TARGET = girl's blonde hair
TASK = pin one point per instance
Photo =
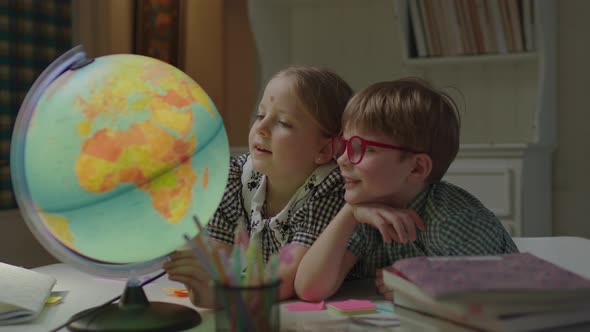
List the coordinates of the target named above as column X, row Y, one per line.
column 323, row 93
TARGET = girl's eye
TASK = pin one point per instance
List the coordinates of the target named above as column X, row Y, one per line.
column 284, row 124
column 369, row 149
column 259, row 116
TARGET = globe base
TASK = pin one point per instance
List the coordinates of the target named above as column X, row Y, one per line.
column 135, row 313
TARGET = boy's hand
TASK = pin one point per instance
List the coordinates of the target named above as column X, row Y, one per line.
column 381, row 287
column 394, row 224
column 184, row 267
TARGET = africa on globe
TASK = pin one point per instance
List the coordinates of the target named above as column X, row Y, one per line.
column 119, row 155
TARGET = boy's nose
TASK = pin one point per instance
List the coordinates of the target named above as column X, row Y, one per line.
column 343, row 159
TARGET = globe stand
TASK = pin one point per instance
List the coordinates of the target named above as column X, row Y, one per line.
column 135, row 313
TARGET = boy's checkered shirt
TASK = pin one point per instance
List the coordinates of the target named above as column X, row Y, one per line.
column 456, row 222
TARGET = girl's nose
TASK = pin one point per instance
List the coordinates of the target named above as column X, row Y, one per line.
column 262, row 128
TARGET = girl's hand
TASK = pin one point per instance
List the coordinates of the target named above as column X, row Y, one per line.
column 394, row 224
column 381, row 287
column 184, row 267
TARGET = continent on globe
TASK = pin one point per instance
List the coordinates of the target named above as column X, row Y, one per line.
column 59, row 227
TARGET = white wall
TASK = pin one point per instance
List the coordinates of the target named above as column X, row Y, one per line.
column 571, row 173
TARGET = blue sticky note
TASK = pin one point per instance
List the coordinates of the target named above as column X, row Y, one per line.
column 385, row 307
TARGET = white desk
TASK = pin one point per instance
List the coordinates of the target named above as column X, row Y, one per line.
column 85, row 291
column 571, row 253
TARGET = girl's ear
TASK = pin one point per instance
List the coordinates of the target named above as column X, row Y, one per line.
column 325, row 154
column 422, row 168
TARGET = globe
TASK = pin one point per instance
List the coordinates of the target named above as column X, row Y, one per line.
column 113, row 157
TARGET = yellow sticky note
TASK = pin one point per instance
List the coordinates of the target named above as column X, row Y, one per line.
column 53, row 300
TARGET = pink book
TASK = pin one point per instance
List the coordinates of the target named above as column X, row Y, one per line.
column 500, row 278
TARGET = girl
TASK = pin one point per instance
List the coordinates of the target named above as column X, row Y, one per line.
column 288, row 188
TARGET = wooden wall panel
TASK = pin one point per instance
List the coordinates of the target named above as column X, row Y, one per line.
column 240, row 75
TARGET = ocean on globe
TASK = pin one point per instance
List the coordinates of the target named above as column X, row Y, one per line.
column 119, row 155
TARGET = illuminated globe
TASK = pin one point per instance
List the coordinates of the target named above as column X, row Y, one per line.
column 112, row 157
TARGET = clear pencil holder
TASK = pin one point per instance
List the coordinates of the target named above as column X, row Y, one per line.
column 247, row 308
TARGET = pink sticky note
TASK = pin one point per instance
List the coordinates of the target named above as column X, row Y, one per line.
column 353, row 305
column 306, row 306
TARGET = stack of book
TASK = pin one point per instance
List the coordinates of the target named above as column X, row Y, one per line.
column 513, row 292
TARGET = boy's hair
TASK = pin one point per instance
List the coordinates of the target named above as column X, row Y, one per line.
column 323, row 93
column 414, row 114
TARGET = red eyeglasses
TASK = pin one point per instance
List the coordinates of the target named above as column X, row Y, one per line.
column 356, row 145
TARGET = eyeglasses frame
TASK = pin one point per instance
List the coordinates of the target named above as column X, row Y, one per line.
column 364, row 144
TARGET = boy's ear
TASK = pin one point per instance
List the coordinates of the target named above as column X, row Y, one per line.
column 422, row 167
column 325, row 154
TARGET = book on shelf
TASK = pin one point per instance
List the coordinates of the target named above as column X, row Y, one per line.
column 487, row 30
column 23, row 293
column 497, row 25
column 515, row 22
column 528, row 24
column 418, row 29
column 430, row 27
column 503, row 292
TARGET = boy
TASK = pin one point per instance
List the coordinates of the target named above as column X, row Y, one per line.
column 400, row 138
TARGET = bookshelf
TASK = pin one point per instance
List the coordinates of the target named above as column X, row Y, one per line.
column 508, row 101
column 468, row 30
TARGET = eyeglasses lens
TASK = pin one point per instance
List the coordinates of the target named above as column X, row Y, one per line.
column 355, row 152
column 338, row 147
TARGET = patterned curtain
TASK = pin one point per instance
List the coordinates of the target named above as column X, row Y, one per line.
column 33, row 33
column 158, row 30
